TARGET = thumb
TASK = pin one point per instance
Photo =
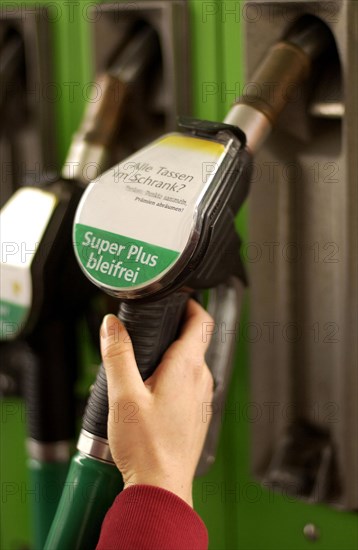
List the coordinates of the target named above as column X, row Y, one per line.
column 118, row 359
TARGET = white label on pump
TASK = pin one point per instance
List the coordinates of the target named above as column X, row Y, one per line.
column 134, row 221
column 23, row 221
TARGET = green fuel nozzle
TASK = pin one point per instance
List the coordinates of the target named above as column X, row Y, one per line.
column 159, row 227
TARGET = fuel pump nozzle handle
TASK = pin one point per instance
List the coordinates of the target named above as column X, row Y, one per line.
column 154, row 325
column 152, row 328
column 184, row 239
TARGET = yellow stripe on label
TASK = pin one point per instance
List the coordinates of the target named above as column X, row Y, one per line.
column 198, row 144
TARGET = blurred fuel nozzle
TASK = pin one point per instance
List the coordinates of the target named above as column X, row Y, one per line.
column 12, row 68
column 274, row 84
column 87, row 156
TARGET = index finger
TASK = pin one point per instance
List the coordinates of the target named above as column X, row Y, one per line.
column 197, row 329
column 192, row 343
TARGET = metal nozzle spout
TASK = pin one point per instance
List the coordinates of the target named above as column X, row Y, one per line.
column 311, row 35
column 87, row 156
column 287, row 64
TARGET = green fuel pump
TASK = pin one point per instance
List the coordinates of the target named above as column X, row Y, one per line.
column 157, row 228
column 42, row 291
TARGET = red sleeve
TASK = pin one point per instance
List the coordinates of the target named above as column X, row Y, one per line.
column 144, row 517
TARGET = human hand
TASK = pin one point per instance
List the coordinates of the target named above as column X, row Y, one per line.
column 156, row 429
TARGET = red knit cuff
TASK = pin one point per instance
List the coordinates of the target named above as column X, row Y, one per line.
column 144, row 517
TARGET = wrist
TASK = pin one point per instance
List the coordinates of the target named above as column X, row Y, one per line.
column 180, row 489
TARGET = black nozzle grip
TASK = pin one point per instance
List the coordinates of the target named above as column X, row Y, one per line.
column 152, row 327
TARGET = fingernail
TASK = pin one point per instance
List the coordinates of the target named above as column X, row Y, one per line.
column 109, row 323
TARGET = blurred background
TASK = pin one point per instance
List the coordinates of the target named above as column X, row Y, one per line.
column 286, row 472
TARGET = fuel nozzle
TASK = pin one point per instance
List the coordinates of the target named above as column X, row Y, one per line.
column 12, row 69
column 287, row 64
column 88, row 153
